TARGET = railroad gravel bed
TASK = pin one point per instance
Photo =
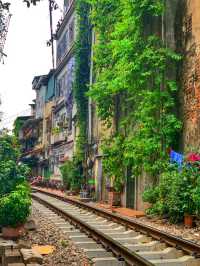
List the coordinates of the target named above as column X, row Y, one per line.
column 66, row 252
column 192, row 234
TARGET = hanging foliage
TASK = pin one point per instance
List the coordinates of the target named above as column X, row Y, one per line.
column 82, row 71
column 131, row 63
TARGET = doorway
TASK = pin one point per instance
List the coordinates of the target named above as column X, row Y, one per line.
column 130, row 189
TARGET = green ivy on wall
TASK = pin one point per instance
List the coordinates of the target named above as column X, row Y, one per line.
column 131, row 62
column 82, row 71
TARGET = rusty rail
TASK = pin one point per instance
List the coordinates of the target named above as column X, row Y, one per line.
column 187, row 246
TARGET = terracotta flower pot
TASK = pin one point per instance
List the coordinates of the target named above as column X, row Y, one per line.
column 188, row 220
column 12, row 233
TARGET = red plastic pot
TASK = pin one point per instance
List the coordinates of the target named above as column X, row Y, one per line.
column 188, row 220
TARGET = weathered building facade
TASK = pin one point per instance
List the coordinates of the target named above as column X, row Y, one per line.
column 54, row 114
column 63, row 128
column 179, row 30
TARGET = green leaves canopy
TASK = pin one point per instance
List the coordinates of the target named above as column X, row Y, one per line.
column 131, row 64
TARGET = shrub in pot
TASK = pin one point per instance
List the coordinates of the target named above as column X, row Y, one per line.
column 114, row 167
column 14, row 211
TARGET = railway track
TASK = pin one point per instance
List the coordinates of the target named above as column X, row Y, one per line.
column 109, row 239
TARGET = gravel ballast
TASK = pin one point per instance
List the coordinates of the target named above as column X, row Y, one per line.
column 192, row 234
column 66, row 253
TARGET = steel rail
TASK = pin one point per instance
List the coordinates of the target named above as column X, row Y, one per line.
column 120, row 251
column 187, row 246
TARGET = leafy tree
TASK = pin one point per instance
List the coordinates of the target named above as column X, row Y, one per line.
column 131, row 86
column 12, row 173
column 9, row 148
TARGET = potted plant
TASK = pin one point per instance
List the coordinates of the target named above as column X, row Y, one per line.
column 114, row 192
column 189, row 212
column 114, row 168
column 14, row 211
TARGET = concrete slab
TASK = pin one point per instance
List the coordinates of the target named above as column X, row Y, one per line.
column 183, row 261
column 168, row 253
column 107, row 262
column 123, row 234
column 31, row 256
column 79, row 238
column 97, row 253
column 151, row 246
column 90, row 244
column 134, row 240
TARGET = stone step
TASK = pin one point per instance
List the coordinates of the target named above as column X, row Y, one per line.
column 31, row 256
column 182, row 261
column 168, row 253
column 12, row 256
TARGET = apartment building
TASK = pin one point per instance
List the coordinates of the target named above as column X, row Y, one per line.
column 63, row 116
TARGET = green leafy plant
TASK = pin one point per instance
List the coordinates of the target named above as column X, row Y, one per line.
column 9, row 148
column 56, row 130
column 113, row 151
column 72, row 175
column 12, row 173
column 15, row 207
column 82, row 72
column 176, row 194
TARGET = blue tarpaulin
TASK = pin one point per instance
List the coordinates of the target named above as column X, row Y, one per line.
column 176, row 158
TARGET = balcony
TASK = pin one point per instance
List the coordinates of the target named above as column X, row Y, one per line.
column 59, row 137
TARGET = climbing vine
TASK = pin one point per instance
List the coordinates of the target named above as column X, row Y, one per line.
column 82, row 71
column 132, row 83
